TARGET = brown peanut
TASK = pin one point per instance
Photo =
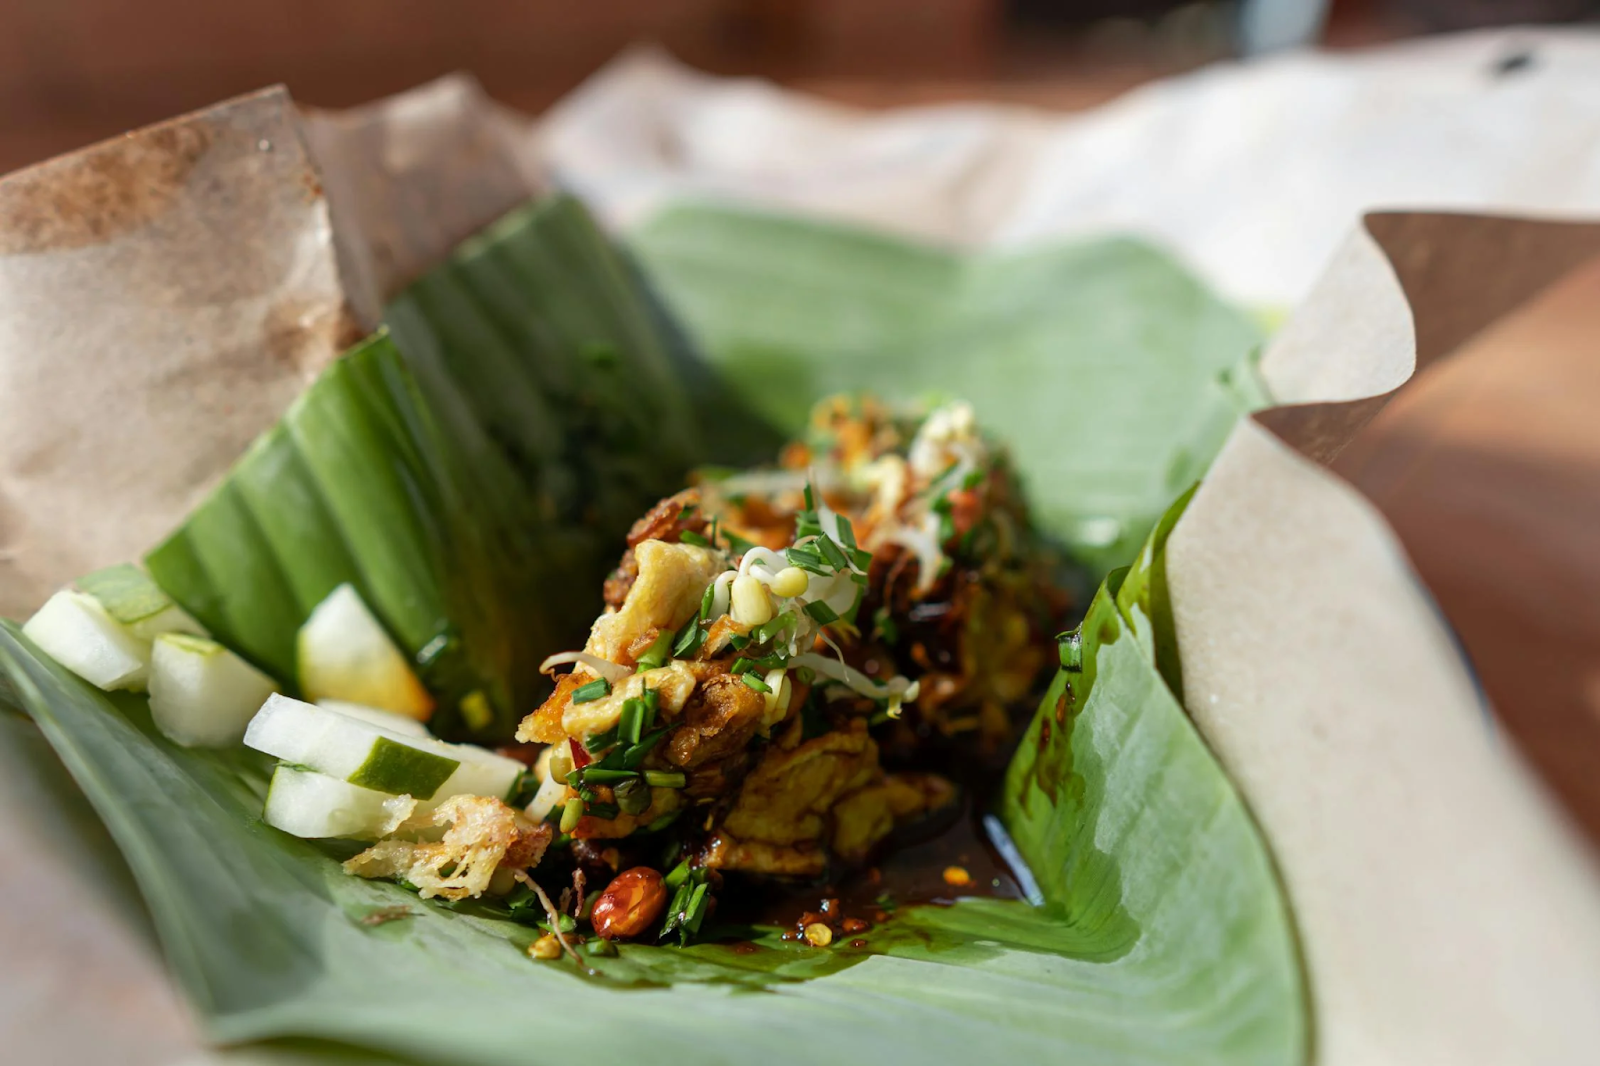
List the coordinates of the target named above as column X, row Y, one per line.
column 633, row 900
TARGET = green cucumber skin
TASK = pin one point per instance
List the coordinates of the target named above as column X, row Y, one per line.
column 399, row 769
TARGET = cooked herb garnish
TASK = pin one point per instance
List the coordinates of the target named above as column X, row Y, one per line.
column 633, row 796
column 599, row 688
column 821, row 612
column 756, row 682
column 657, row 654
column 599, row 775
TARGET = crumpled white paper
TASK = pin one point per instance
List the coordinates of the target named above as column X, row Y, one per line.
column 1252, row 173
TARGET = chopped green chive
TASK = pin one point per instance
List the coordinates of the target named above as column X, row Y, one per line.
column 595, row 775
column 741, row 666
column 633, row 796
column 739, row 641
column 566, row 923
column 665, row 779
column 635, row 755
column 808, row 559
column 757, row 683
column 689, row 640
column 604, row 811
column 706, row 598
column 570, row 814
column 601, row 741
column 657, row 654
column 695, row 912
column 822, row 612
column 599, row 688
column 678, row 875
column 632, row 723
column 834, row 554
column 737, row 543
column 768, row 630
column 691, row 537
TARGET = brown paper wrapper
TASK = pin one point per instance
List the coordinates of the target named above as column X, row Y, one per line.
column 164, row 296
column 1449, row 911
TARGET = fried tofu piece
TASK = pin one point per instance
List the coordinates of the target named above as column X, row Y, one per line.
column 724, row 851
column 718, row 722
column 559, row 718
column 863, row 818
column 787, row 797
column 665, row 594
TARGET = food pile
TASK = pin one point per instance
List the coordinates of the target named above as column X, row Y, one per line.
column 781, row 650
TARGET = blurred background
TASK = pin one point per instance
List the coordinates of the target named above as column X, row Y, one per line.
column 75, row 71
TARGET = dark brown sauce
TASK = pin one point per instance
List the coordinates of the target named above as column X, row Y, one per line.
column 955, row 859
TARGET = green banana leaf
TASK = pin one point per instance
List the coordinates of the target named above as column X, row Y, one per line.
column 1112, row 372
column 413, row 469
column 470, row 472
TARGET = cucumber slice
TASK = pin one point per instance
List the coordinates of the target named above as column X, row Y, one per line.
column 361, row 752
column 307, row 804
column 132, row 597
column 202, row 694
column 394, row 723
column 75, row 630
column 344, row 653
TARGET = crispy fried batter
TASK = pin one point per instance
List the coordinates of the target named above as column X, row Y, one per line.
column 484, row 836
column 543, row 726
column 665, row 595
column 667, row 521
column 673, row 685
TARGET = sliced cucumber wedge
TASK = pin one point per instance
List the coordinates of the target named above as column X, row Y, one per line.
column 394, row 723
column 133, row 598
column 363, row 753
column 75, row 630
column 202, row 694
column 307, row 804
column 344, row 653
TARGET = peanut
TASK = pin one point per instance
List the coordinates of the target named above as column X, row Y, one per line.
column 631, row 902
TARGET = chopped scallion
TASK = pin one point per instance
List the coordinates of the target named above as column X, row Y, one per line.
column 599, row 688
column 754, row 681
column 632, row 722
column 665, row 779
column 821, row 612
column 657, row 654
column 601, row 741
column 690, row 537
column 689, row 640
column 595, row 775
column 635, row 754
